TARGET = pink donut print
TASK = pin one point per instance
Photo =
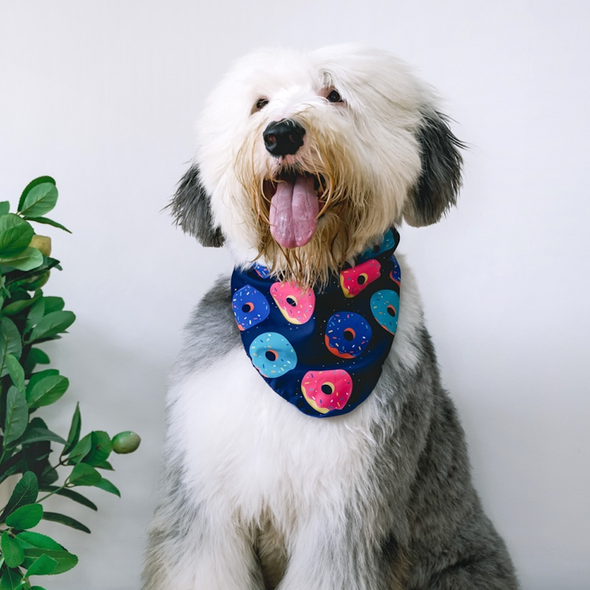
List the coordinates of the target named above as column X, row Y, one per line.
column 356, row 279
column 296, row 304
column 326, row 391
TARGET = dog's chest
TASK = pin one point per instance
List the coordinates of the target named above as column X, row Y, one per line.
column 244, row 445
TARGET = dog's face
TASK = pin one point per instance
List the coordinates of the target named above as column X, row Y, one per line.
column 305, row 159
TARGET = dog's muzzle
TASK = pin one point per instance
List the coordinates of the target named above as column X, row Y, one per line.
column 283, row 138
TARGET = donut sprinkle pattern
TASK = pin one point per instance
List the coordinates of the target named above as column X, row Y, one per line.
column 326, row 391
column 384, row 305
column 347, row 335
column 357, row 279
column 321, row 350
column 296, row 304
column 396, row 274
column 250, row 307
column 272, row 354
column 261, row 271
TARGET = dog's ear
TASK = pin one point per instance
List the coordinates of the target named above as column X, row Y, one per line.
column 440, row 179
column 191, row 209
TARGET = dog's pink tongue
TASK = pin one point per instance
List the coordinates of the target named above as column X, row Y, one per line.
column 293, row 212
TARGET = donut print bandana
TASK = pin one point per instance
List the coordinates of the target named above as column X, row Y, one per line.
column 321, row 351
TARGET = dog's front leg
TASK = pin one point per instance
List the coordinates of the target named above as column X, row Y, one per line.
column 188, row 551
column 332, row 551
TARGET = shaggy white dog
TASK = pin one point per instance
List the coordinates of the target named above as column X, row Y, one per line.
column 304, row 161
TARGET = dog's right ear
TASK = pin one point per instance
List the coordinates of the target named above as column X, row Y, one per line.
column 191, row 210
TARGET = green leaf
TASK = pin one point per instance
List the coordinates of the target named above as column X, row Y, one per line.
column 43, row 565
column 81, row 449
column 64, row 560
column 53, row 304
column 14, row 464
column 35, row 434
column 49, row 475
column 67, row 520
column 31, row 186
column 11, row 550
column 25, row 517
column 47, row 391
column 4, row 207
column 104, row 465
column 34, row 357
column 72, row 495
column 107, row 486
column 52, row 324
column 36, row 313
column 41, row 357
column 10, row 342
column 38, row 199
column 15, row 235
column 75, row 428
column 40, row 375
column 30, row 539
column 16, row 372
column 25, row 492
column 84, row 475
column 36, row 588
column 10, row 579
column 19, row 305
column 28, row 259
column 47, row 221
column 17, row 416
column 101, row 448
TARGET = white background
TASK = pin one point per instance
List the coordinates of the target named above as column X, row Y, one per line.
column 103, row 97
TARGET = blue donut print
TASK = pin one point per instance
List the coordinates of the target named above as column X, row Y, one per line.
column 250, row 307
column 387, row 243
column 347, row 334
column 385, row 306
column 272, row 354
column 396, row 274
column 261, row 270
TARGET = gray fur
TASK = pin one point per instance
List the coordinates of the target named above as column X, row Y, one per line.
column 440, row 179
column 191, row 209
column 213, row 315
column 433, row 534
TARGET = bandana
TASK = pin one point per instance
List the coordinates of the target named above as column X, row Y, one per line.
column 322, row 351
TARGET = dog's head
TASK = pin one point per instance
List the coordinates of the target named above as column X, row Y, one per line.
column 305, row 159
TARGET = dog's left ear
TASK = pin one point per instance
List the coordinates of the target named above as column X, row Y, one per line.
column 440, row 179
column 191, row 209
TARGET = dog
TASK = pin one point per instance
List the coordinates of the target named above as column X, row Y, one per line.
column 317, row 466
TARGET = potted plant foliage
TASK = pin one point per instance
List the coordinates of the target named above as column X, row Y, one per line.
column 42, row 462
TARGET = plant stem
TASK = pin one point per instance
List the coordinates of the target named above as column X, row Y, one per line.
column 39, row 500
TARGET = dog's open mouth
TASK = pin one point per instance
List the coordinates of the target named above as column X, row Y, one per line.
column 294, row 208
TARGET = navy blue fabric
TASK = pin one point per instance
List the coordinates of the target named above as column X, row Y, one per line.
column 324, row 356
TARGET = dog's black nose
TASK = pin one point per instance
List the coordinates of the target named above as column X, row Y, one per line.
column 282, row 138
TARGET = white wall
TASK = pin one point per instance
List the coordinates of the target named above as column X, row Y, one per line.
column 103, row 96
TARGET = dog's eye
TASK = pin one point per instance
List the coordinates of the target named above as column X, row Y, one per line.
column 261, row 103
column 334, row 96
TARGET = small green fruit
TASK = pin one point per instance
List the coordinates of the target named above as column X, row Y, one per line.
column 34, row 284
column 42, row 243
column 125, row 442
